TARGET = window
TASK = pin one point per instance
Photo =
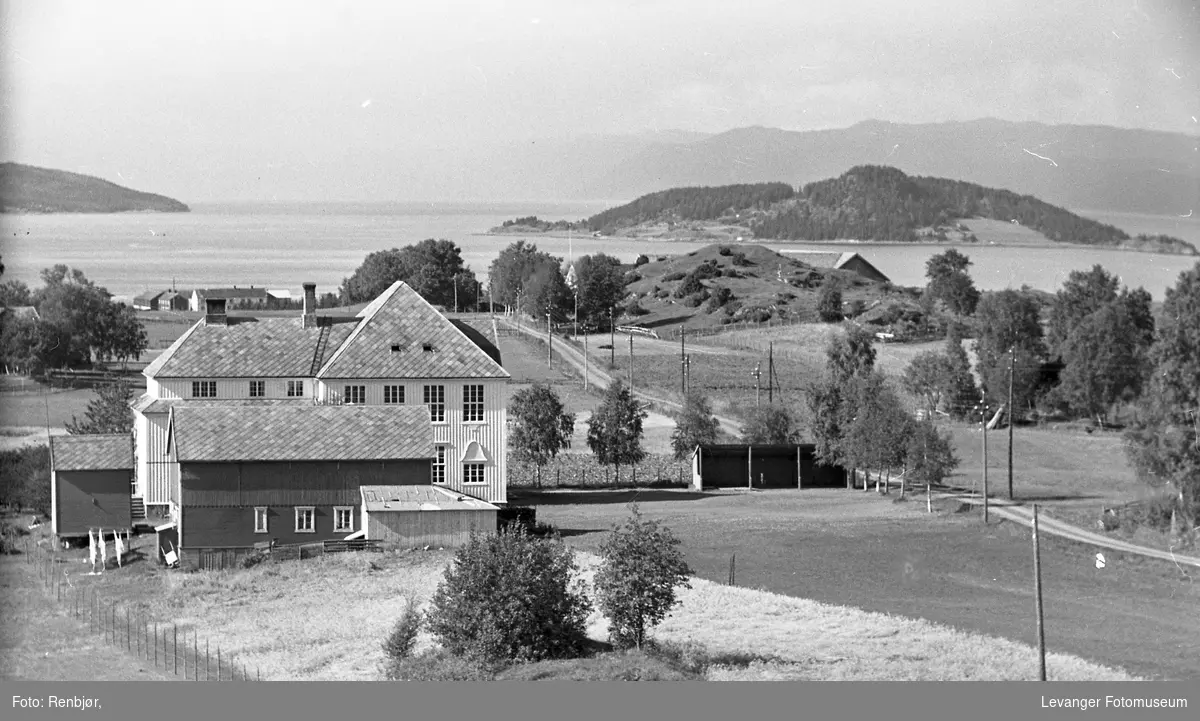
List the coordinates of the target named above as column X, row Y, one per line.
column 438, row 469
column 354, row 395
column 295, row 389
column 473, row 473
column 435, row 398
column 258, row 389
column 204, row 389
column 260, row 519
column 304, row 519
column 393, row 394
column 472, row 404
column 343, row 518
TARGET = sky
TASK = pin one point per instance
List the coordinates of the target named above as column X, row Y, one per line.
column 211, row 100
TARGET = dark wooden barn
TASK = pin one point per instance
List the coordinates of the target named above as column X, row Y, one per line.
column 755, row 466
column 90, row 484
column 283, row 475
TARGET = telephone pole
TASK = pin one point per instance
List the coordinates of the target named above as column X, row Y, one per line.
column 549, row 343
column 682, row 363
column 983, row 410
column 1037, row 585
column 757, row 385
column 585, row 362
column 1011, row 420
column 631, row 363
column 456, row 294
column 771, row 373
column 612, row 340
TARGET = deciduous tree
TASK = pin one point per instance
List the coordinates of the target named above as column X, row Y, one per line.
column 108, row 412
column 829, row 302
column 615, row 429
column 636, row 584
column 694, row 426
column 1104, row 362
column 930, row 455
column 950, row 283
column 600, row 285
column 772, row 424
column 429, row 267
column 541, row 426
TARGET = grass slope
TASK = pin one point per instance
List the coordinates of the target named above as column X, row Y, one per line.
column 28, row 189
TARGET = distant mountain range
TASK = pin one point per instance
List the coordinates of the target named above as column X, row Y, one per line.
column 1074, row 166
column 27, row 189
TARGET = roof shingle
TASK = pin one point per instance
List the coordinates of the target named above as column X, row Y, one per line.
column 251, row 348
column 99, row 452
column 402, row 336
column 223, row 433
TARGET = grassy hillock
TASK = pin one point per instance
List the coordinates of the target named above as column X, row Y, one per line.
column 27, row 189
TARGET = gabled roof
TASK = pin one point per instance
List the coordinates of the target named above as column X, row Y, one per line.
column 148, row 296
column 99, row 452
column 400, row 335
column 232, row 292
column 826, row 259
column 419, row 498
column 251, row 348
column 216, row 434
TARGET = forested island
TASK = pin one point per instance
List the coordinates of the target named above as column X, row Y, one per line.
column 866, row 203
column 28, row 189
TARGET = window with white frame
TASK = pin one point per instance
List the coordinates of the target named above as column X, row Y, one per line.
column 343, row 518
column 472, row 404
column 260, row 519
column 305, row 519
column 473, row 473
column 435, row 398
column 437, row 471
column 258, row 389
column 204, row 389
column 393, row 394
column 295, row 389
column 354, row 395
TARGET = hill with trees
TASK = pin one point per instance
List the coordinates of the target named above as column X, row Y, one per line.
column 703, row 203
column 28, row 189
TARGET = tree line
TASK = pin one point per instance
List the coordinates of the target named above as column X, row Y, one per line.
column 698, row 203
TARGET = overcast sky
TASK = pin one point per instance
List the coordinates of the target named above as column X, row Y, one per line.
column 185, row 97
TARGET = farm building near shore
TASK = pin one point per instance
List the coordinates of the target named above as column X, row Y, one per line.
column 760, row 466
column 286, row 474
column 424, row 515
column 90, row 478
column 840, row 261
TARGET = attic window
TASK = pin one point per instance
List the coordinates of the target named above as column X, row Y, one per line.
column 428, row 347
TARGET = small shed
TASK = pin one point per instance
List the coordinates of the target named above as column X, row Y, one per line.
column 762, row 466
column 412, row 516
column 147, row 301
column 174, row 300
column 90, row 484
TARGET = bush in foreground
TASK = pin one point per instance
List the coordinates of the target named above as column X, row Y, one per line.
column 637, row 579
column 510, row 597
column 399, row 644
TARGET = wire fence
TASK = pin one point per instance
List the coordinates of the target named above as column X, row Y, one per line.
column 175, row 650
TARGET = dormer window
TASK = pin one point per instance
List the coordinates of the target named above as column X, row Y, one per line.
column 395, row 348
column 428, row 347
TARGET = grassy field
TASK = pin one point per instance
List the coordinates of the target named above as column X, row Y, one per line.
column 865, row 551
column 325, row 618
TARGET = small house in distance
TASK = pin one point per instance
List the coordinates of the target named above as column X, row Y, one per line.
column 849, row 261
column 147, row 301
column 427, row 515
column 760, row 466
column 234, row 298
column 90, row 484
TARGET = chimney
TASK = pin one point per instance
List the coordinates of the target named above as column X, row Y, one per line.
column 214, row 311
column 309, row 318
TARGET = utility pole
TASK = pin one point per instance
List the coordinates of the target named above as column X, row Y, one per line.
column 549, row 343
column 682, row 363
column 687, row 371
column 456, row 294
column 1037, row 584
column 585, row 362
column 983, row 410
column 612, row 340
column 1011, row 420
column 576, row 314
column 631, row 363
column 757, row 385
column 771, row 373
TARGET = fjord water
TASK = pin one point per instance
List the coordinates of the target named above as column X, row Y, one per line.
column 283, row 245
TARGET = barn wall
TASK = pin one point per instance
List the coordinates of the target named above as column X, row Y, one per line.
column 91, row 499
column 293, row 483
column 440, row 529
column 153, row 460
column 205, row 527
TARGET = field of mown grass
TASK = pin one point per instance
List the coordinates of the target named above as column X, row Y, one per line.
column 324, row 619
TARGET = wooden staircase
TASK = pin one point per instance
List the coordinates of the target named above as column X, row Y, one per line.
column 137, row 509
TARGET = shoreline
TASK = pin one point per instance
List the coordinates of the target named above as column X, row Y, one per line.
column 1049, row 245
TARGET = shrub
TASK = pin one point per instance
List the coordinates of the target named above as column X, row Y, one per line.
column 855, row 308
column 662, row 294
column 436, row 665
column 641, row 260
column 724, row 250
column 632, row 277
column 399, row 644
column 25, row 478
column 634, row 309
column 674, row 276
column 510, row 597
column 694, row 300
column 636, row 582
column 250, row 560
column 720, row 297
column 739, row 258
